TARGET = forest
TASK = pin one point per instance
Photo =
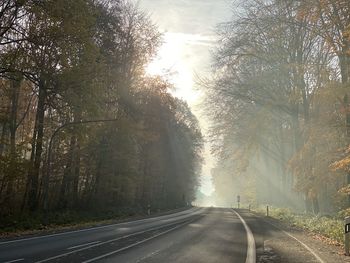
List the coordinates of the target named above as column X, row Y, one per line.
column 279, row 105
column 83, row 129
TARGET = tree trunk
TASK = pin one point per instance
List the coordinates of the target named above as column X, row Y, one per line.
column 32, row 155
column 67, row 176
column 3, row 137
column 76, row 164
column 100, row 183
column 282, row 160
column 33, row 175
column 315, row 205
column 347, row 124
column 344, row 64
column 308, row 203
column 76, row 174
column 15, row 89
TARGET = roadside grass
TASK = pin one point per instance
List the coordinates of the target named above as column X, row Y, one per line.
column 330, row 227
column 61, row 220
column 52, row 222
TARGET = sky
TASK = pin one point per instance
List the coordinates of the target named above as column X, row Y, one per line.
column 188, row 27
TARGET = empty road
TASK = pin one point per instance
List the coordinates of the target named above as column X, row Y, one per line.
column 194, row 235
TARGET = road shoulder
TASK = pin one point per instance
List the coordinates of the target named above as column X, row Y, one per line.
column 279, row 243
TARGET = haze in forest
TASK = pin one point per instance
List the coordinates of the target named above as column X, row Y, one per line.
column 84, row 128
column 279, row 107
column 113, row 109
column 189, row 35
column 274, row 89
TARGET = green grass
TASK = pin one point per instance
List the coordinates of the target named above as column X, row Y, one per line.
column 331, row 227
column 61, row 219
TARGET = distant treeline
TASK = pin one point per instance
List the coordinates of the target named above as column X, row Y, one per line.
column 279, row 104
column 64, row 61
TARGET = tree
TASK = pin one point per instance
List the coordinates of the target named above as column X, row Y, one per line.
column 270, row 70
column 74, row 64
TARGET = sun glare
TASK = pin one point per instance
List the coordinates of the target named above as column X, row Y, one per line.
column 173, row 63
column 176, row 62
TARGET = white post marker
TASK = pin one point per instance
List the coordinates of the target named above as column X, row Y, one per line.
column 347, row 235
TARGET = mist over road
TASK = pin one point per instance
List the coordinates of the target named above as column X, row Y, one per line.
column 194, row 235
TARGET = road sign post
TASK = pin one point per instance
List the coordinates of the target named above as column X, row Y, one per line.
column 238, row 200
column 347, row 235
column 267, row 210
column 149, row 209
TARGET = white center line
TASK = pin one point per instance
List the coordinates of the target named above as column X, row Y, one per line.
column 102, row 243
column 137, row 243
column 154, row 219
column 251, row 252
column 83, row 245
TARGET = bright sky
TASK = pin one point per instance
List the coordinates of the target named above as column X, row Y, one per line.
column 189, row 35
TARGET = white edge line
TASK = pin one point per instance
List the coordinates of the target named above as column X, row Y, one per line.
column 251, row 252
column 137, row 243
column 302, row 243
column 83, row 245
column 195, row 209
column 102, row 243
column 16, row 260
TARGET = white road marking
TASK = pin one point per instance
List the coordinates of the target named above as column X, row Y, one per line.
column 302, row 243
column 185, row 212
column 135, row 244
column 83, row 245
column 16, row 260
column 154, row 253
column 251, row 251
column 101, row 243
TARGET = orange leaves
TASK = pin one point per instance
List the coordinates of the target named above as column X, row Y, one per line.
column 341, row 165
column 345, row 190
column 344, row 163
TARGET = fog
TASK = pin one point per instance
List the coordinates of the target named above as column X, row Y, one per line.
column 278, row 106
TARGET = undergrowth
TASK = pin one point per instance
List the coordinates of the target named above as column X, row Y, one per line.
column 331, row 227
column 58, row 219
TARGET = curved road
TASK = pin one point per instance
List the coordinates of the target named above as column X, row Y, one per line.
column 194, row 235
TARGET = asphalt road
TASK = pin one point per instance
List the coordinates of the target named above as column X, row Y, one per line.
column 194, row 235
